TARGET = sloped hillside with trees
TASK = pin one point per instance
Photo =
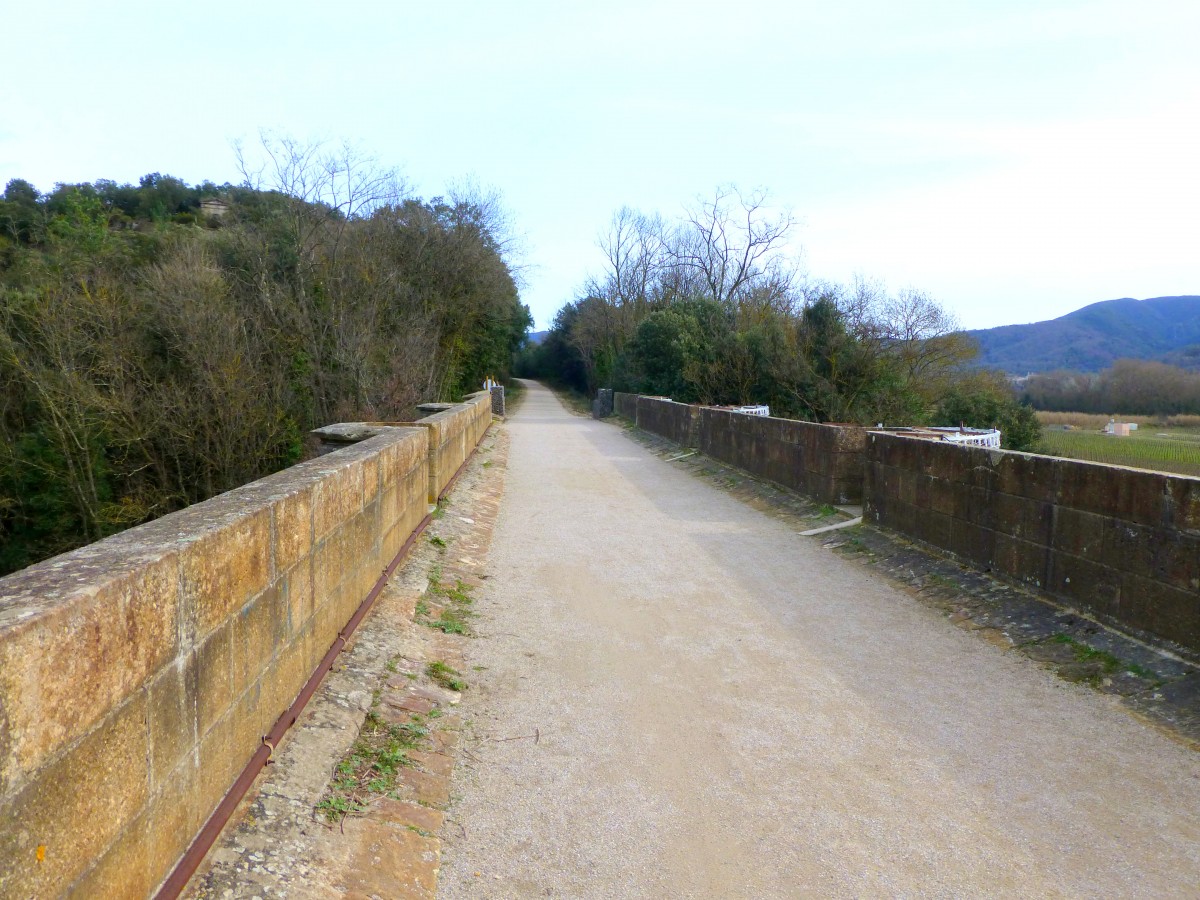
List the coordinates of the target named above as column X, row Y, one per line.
column 711, row 308
column 157, row 349
column 1163, row 329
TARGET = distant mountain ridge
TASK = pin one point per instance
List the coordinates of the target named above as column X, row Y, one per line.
column 1092, row 338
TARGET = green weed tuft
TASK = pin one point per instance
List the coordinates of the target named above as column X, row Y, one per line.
column 445, row 676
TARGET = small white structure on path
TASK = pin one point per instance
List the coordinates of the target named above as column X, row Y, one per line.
column 971, row 437
column 964, row 437
column 750, row 409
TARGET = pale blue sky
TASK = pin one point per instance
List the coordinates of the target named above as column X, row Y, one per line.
column 1016, row 159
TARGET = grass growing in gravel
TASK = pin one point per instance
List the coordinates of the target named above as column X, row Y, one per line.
column 1085, row 654
column 934, row 579
column 370, row 768
column 451, row 621
column 1107, row 662
column 855, row 545
column 455, row 602
column 445, row 676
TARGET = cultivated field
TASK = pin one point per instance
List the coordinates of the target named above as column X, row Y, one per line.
column 1171, row 445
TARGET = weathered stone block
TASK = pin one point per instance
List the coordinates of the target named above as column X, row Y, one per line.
column 1176, row 560
column 902, row 516
column 123, row 870
column 905, row 481
column 393, row 540
column 924, row 490
column 1079, row 533
column 76, row 638
column 370, row 479
column 218, row 766
column 171, row 716
column 981, row 507
column 848, row 467
column 175, row 815
column 1022, row 561
column 251, row 719
column 1185, row 504
column 352, row 592
column 210, row 669
column 297, row 586
column 932, row 527
column 293, row 528
column 1088, row 584
column 894, row 451
column 365, row 527
column 286, row 676
column 1028, row 520
column 1132, row 548
column 1029, row 476
column 1144, row 498
column 949, row 498
column 625, row 405
column 335, row 556
column 76, row 807
column 973, row 542
column 1162, row 610
column 409, row 452
column 338, row 496
column 848, row 439
column 225, row 568
column 258, row 629
column 983, row 463
column 391, row 506
column 327, row 622
column 868, row 483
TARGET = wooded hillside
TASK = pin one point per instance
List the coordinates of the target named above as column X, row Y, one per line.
column 154, row 351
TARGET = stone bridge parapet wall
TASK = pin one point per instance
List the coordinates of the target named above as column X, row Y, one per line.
column 675, row 421
column 1123, row 544
column 822, row 461
column 453, row 435
column 625, row 405
column 139, row 674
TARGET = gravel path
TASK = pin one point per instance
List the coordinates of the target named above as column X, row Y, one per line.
column 726, row 709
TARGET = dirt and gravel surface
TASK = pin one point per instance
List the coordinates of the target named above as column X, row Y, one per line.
column 676, row 695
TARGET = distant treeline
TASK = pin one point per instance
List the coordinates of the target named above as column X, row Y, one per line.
column 710, row 308
column 1131, row 386
column 154, row 353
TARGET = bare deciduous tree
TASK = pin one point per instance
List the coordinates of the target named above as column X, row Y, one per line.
column 730, row 247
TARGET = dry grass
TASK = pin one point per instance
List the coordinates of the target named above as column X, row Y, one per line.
column 1096, row 422
column 1093, row 421
column 1181, row 422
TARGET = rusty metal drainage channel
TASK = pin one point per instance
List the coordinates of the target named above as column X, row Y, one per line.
column 191, row 859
